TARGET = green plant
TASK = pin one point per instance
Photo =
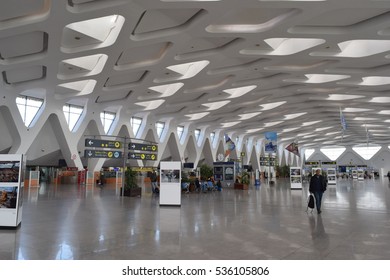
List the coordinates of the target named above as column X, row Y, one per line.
column 130, row 179
column 206, row 171
column 245, row 178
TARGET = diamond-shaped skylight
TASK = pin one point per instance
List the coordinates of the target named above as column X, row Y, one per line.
column 167, row 90
column 361, row 48
column 286, row 46
column 270, row 106
column 310, row 123
column 272, row 123
column 324, row 78
column 375, row 81
column 338, row 97
column 237, row 92
column 197, row 116
column 183, row 71
column 215, row 105
column 254, row 130
column 91, row 33
column 151, row 105
column 356, row 110
column 248, row 116
column 290, row 129
column 229, row 124
column 366, row 152
column 293, row 116
column 380, row 100
column 323, row 128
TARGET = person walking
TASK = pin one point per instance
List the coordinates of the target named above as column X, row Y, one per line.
column 317, row 187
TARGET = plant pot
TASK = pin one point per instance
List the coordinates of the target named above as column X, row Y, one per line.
column 133, row 192
column 240, row 186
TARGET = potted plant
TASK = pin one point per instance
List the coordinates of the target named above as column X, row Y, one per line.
column 206, row 172
column 131, row 187
column 243, row 181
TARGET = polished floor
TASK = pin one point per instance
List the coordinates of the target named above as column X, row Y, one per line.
column 269, row 223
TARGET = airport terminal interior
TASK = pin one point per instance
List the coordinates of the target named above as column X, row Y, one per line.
column 97, row 96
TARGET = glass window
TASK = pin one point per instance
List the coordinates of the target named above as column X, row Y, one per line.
column 180, row 131
column 72, row 114
column 160, row 128
column 366, row 152
column 135, row 124
column 197, row 134
column 333, row 153
column 107, row 120
column 28, row 108
column 212, row 137
column 308, row 153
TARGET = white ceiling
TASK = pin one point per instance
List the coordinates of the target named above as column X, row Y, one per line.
column 243, row 66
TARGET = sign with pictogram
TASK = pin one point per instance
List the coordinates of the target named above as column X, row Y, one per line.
column 142, row 156
column 102, row 154
column 97, row 143
column 143, row 147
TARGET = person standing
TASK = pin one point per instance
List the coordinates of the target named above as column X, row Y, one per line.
column 317, row 187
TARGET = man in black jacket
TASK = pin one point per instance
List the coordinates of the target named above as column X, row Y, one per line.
column 317, row 187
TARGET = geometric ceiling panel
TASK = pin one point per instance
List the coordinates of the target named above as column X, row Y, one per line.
column 142, row 56
column 78, row 6
column 21, row 11
column 27, row 74
column 285, row 46
column 125, row 80
column 112, row 96
column 250, row 20
column 338, row 18
column 81, row 66
column 91, row 34
column 157, row 20
column 290, row 66
column 22, row 45
column 73, row 89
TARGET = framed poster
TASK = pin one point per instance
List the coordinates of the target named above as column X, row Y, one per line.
column 331, row 176
column 296, row 177
column 170, row 183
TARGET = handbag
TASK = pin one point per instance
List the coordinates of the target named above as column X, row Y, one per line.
column 310, row 202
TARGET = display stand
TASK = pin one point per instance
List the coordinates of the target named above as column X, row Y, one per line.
column 11, row 189
column 296, row 178
column 354, row 174
column 331, row 176
column 224, row 171
column 360, row 174
column 33, row 179
column 170, row 183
